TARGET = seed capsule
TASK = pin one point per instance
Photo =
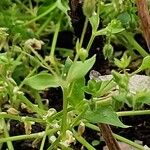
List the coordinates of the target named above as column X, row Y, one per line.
column 89, row 7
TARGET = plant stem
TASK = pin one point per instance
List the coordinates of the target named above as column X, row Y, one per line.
column 53, row 47
column 120, row 138
column 20, row 118
column 30, row 136
column 133, row 113
column 64, row 117
column 136, row 46
column 78, row 118
column 83, row 141
column 55, row 38
column 90, row 42
column 23, row 99
column 52, row 7
column 30, row 74
column 39, row 31
column 44, row 138
column 6, row 134
column 83, row 31
column 25, row 7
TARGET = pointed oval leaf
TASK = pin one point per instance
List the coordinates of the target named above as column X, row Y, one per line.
column 146, row 63
column 104, row 115
column 79, row 69
column 42, row 81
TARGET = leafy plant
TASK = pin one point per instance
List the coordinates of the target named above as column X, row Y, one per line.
column 26, row 75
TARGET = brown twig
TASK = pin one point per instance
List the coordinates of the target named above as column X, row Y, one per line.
column 144, row 16
column 107, row 134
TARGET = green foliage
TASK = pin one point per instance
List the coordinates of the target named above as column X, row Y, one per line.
column 42, row 81
column 79, row 69
column 28, row 74
column 108, row 51
column 93, row 87
column 104, row 115
column 122, row 80
column 145, row 63
column 140, row 98
column 89, row 7
column 83, row 54
column 77, row 93
column 123, row 62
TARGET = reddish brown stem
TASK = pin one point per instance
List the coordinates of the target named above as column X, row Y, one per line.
column 107, row 134
column 144, row 16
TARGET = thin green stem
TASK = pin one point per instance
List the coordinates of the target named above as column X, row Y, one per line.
column 38, row 99
column 57, row 115
column 25, row 7
column 20, row 118
column 120, row 138
column 83, row 31
column 30, row 74
column 39, row 31
column 6, row 134
column 23, row 99
column 52, row 7
column 133, row 113
column 30, row 136
column 43, row 142
column 53, row 47
column 43, row 61
column 90, row 42
column 78, row 118
column 64, row 117
column 55, row 38
column 44, row 138
column 83, row 141
column 133, row 42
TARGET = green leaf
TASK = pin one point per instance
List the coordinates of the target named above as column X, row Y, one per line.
column 142, row 97
column 124, row 18
column 94, row 21
column 108, row 51
column 79, row 69
column 66, row 67
column 93, row 87
column 77, row 92
column 123, row 62
column 104, row 115
column 115, row 27
column 42, row 81
column 146, row 63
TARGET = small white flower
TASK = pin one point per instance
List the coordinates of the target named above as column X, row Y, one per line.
column 50, row 112
column 15, row 90
column 34, row 43
column 146, row 147
column 55, row 125
column 52, row 139
column 69, row 139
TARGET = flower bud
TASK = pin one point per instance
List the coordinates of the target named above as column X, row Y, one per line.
column 12, row 111
column 89, row 7
column 108, row 51
column 83, row 54
column 81, row 128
